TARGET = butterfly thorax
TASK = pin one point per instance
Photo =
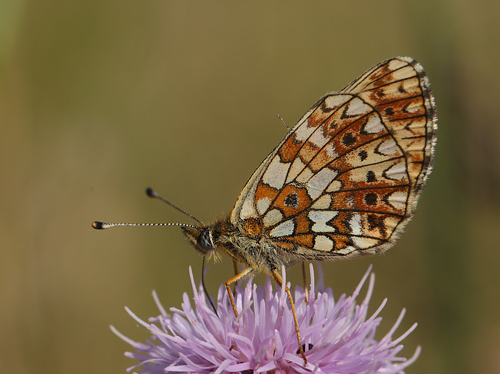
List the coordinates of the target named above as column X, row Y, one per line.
column 246, row 243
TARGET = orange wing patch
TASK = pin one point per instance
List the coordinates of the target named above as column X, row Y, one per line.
column 292, row 199
column 290, row 148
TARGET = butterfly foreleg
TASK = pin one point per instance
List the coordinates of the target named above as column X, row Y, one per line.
column 235, row 279
column 277, row 276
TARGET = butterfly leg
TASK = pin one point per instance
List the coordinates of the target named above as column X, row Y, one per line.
column 235, row 279
column 236, row 272
column 277, row 276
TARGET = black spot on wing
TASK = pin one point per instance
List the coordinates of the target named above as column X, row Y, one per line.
column 348, row 139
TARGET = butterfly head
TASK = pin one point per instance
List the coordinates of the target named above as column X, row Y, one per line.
column 202, row 239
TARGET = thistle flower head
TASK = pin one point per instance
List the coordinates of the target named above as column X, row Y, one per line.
column 337, row 335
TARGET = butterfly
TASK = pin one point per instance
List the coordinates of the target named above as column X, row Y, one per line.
column 343, row 182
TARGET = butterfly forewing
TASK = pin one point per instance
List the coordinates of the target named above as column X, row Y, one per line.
column 346, row 178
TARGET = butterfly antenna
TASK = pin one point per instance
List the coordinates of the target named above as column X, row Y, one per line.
column 106, row 225
column 205, row 288
column 152, row 193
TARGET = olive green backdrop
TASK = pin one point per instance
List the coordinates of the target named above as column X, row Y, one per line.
column 100, row 99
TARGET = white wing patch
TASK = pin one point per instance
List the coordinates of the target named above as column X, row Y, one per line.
column 272, row 217
column 276, row 173
column 398, row 200
column 303, row 132
column 319, row 181
column 247, row 209
column 388, row 147
column 364, row 242
column 323, row 243
column 319, row 139
column 396, row 172
column 320, row 219
column 374, row 125
column 334, row 101
column 284, row 229
column 263, row 204
column 357, row 107
column 295, row 169
column 355, row 223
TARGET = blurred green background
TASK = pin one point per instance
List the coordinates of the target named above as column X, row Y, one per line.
column 100, row 99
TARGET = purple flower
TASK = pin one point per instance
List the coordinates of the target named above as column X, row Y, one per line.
column 338, row 335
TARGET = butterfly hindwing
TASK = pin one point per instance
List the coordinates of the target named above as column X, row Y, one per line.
column 346, row 178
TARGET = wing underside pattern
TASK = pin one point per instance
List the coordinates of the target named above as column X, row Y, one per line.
column 346, row 179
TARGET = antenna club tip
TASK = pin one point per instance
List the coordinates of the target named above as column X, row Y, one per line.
column 150, row 192
column 98, row 225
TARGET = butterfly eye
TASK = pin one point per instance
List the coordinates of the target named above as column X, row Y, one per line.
column 205, row 242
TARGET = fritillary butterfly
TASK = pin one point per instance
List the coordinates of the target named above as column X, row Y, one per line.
column 342, row 183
